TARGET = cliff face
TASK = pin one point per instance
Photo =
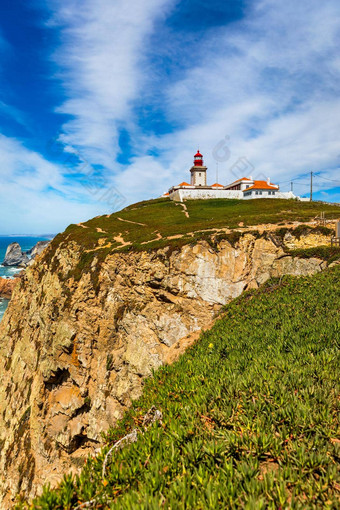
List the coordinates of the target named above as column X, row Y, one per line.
column 75, row 350
column 7, row 286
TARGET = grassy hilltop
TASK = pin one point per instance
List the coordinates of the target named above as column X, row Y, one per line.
column 250, row 414
column 163, row 223
column 155, row 223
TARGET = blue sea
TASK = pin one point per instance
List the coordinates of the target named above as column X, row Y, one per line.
column 26, row 244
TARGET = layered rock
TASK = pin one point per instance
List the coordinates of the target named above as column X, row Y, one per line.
column 75, row 348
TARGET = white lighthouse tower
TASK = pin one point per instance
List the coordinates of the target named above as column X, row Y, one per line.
column 198, row 171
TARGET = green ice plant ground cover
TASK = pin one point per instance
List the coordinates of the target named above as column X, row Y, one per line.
column 250, row 414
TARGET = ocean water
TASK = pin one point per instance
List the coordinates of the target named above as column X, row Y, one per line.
column 26, row 244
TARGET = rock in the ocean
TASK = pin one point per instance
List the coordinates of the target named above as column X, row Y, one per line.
column 15, row 256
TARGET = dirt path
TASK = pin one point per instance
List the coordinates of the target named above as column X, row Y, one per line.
column 119, row 239
column 134, row 222
column 185, row 210
column 159, row 236
column 261, row 228
column 100, row 247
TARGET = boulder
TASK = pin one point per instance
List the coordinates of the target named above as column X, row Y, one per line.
column 15, row 256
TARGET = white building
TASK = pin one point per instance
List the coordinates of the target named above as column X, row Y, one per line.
column 245, row 188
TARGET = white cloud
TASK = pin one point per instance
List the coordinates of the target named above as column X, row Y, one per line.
column 269, row 81
column 101, row 68
column 35, row 195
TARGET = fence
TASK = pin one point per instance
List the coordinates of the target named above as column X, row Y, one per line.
column 335, row 241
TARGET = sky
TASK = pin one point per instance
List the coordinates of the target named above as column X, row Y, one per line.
column 103, row 103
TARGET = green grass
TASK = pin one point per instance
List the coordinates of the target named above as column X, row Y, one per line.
column 167, row 218
column 328, row 253
column 250, row 414
column 162, row 217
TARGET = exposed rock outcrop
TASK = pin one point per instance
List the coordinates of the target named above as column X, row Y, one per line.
column 75, row 348
column 37, row 249
column 7, row 286
column 15, row 256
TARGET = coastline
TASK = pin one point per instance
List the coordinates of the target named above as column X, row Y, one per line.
column 8, row 275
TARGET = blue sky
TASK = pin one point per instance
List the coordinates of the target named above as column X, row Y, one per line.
column 103, row 103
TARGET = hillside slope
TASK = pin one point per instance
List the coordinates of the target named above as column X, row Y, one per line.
column 250, row 414
column 94, row 316
column 162, row 222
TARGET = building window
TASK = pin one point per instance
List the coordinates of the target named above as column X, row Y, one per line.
column 199, row 174
column 256, row 192
column 260, row 192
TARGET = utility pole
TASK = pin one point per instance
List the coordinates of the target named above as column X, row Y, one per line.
column 291, row 186
column 311, row 186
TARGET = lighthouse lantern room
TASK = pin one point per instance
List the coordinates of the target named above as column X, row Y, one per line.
column 198, row 171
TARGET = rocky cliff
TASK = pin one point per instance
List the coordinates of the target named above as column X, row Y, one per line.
column 7, row 285
column 75, row 347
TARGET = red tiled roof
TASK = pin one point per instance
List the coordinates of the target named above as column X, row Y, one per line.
column 184, row 184
column 262, row 185
column 216, row 185
column 239, row 180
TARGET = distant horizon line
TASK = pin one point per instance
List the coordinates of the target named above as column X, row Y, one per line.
column 28, row 235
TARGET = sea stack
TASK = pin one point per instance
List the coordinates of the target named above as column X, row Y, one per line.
column 15, row 257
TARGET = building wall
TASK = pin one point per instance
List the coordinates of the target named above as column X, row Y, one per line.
column 199, row 177
column 195, row 194
column 265, row 194
column 241, row 185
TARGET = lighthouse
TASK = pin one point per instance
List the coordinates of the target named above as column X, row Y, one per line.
column 241, row 189
column 198, row 171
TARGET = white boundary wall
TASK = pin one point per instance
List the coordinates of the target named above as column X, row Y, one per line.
column 195, row 194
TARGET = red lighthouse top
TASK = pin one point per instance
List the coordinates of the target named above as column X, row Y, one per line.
column 198, row 159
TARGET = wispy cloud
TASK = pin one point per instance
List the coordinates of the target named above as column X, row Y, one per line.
column 36, row 195
column 100, row 64
column 130, row 80
column 269, row 81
